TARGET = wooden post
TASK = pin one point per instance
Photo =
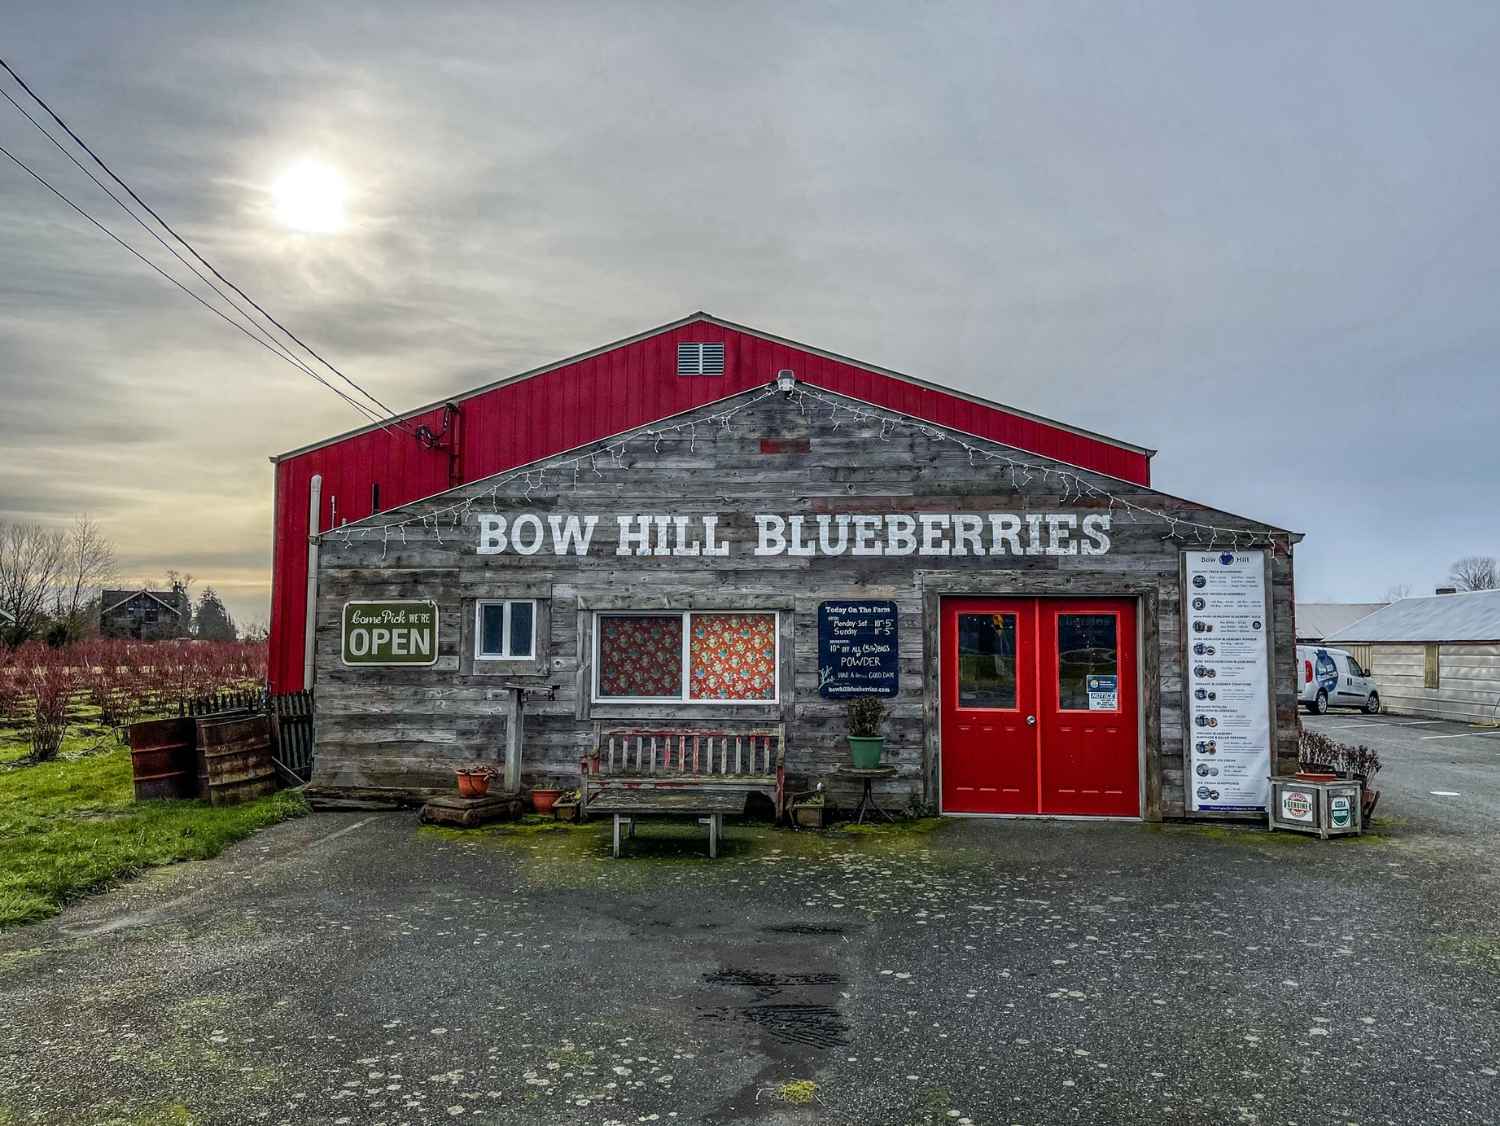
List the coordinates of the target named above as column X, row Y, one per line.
column 515, row 730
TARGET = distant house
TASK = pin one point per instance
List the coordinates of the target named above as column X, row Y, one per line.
column 1437, row 656
column 147, row 615
column 1318, row 621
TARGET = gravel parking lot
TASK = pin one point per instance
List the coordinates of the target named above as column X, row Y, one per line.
column 360, row 969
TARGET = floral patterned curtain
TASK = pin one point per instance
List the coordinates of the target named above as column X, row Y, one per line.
column 732, row 657
column 640, row 655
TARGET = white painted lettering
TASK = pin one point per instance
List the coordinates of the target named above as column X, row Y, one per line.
column 633, row 540
column 1005, row 528
column 899, row 537
column 797, row 546
column 770, row 530
column 824, row 522
column 491, row 533
column 1059, row 526
column 682, row 546
column 866, row 536
column 1034, row 545
column 966, row 533
column 710, row 545
column 934, row 524
column 1096, row 533
column 567, row 535
column 533, row 528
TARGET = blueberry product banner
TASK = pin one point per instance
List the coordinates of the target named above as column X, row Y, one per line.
column 1229, row 720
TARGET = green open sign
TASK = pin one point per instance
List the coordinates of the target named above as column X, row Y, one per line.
column 390, row 633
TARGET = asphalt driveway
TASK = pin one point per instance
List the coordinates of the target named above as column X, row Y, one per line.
column 359, row 969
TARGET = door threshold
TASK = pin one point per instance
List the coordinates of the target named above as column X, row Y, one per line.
column 1046, row 816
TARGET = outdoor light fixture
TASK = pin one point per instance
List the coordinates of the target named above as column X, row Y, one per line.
column 786, row 381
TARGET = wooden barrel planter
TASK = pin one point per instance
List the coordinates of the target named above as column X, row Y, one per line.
column 163, row 759
column 235, row 756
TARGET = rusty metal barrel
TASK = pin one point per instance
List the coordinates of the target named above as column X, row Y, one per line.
column 235, row 755
column 164, row 759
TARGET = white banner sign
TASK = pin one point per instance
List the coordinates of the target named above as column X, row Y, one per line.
column 898, row 533
column 1229, row 753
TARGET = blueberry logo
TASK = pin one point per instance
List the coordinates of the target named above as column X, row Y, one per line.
column 1227, row 558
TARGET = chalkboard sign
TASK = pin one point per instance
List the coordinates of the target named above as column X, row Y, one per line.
column 857, row 649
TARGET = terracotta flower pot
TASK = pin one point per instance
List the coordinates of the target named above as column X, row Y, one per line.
column 473, row 783
column 544, row 799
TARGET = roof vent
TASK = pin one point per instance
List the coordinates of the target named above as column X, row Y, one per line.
column 700, row 359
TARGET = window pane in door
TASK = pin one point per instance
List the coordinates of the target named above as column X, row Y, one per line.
column 1088, row 663
column 640, row 656
column 986, row 660
column 492, row 629
column 520, row 629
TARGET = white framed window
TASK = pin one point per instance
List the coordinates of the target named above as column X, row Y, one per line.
column 687, row 657
column 700, row 359
column 505, row 629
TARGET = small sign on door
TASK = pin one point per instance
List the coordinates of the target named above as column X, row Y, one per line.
column 1104, row 693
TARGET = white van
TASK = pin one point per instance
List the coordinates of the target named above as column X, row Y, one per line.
column 1333, row 678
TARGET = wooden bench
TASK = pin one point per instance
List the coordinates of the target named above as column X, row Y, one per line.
column 634, row 772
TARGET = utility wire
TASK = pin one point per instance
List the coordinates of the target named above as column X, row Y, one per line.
column 193, row 250
column 355, row 403
column 248, row 317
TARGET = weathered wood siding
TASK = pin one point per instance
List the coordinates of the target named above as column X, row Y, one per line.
column 407, row 727
column 1468, row 681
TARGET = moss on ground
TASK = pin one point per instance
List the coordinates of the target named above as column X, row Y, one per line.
column 73, row 826
column 1470, row 949
column 799, row 1091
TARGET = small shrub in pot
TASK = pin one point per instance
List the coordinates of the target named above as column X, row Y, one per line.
column 865, row 716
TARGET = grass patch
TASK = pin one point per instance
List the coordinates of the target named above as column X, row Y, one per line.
column 72, row 826
column 799, row 1091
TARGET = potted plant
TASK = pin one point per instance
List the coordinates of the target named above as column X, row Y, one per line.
column 1362, row 764
column 807, row 810
column 866, row 714
column 474, row 780
column 1317, row 757
column 545, row 796
column 565, row 808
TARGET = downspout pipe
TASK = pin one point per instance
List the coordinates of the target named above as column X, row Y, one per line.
column 309, row 629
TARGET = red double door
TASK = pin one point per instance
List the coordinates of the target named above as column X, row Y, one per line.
column 1039, row 707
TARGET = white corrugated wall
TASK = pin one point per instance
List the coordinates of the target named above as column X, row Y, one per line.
column 1468, row 681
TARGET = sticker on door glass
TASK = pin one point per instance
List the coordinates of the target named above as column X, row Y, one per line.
column 1104, row 693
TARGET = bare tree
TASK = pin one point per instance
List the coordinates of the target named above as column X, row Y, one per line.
column 31, row 561
column 88, row 564
column 1397, row 592
column 1475, row 572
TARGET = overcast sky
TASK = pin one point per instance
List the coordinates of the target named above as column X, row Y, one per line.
column 1262, row 239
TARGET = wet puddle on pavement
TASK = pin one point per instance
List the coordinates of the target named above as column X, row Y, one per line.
column 790, row 1008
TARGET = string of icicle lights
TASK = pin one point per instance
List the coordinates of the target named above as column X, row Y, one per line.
column 808, row 399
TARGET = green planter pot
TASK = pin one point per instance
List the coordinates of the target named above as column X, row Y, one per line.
column 866, row 751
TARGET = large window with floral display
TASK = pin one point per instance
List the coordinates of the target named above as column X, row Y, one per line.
column 690, row 656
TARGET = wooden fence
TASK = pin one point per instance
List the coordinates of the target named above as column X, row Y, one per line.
column 291, row 718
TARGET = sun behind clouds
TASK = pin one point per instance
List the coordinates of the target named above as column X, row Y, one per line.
column 309, row 196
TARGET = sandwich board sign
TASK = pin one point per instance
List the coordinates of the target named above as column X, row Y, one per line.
column 390, row 633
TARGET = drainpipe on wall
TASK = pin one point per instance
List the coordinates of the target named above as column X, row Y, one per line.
column 314, row 503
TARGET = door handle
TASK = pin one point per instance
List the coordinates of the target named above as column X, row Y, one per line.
column 1031, row 721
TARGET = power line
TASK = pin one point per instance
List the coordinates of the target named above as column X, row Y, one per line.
column 249, row 319
column 193, row 250
column 355, row 403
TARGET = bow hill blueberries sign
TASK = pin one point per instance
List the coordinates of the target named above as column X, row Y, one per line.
column 899, row 533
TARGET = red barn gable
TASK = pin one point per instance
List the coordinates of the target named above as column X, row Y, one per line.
column 573, row 402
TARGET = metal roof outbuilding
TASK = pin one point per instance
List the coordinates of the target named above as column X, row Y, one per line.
column 1473, row 616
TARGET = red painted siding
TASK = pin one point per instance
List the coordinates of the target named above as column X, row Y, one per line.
column 628, row 386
